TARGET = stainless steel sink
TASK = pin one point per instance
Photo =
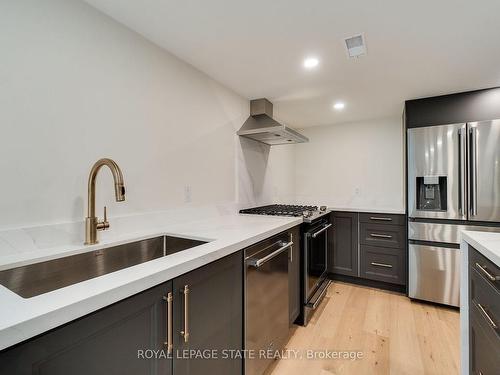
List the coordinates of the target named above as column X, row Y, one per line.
column 38, row 278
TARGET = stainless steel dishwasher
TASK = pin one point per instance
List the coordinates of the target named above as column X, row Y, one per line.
column 266, row 300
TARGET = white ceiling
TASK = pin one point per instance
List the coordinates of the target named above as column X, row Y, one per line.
column 415, row 49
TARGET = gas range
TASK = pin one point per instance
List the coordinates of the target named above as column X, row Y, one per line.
column 308, row 213
column 313, row 244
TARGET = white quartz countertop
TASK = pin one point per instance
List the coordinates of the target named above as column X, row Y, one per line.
column 486, row 243
column 371, row 210
column 22, row 318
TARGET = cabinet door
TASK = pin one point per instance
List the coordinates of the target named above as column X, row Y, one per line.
column 212, row 314
column 382, row 264
column 484, row 346
column 108, row 341
column 294, row 275
column 344, row 260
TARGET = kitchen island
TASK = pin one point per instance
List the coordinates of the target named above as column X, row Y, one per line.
column 479, row 301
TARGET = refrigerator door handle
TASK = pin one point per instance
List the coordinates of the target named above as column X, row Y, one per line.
column 461, row 172
column 473, row 171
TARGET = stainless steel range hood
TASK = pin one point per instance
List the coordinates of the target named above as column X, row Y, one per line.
column 261, row 126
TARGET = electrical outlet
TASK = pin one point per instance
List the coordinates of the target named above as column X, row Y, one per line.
column 356, row 191
column 187, row 194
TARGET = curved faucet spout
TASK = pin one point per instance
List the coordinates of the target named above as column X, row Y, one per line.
column 91, row 222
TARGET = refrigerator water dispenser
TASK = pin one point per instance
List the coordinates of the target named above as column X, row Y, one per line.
column 431, row 193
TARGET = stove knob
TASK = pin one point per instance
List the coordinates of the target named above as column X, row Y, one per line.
column 307, row 213
column 322, row 208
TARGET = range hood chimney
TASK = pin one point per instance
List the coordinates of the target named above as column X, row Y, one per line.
column 261, row 126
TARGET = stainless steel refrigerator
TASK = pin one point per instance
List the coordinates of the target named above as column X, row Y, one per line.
column 453, row 184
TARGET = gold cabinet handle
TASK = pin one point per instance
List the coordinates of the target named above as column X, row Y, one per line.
column 379, row 218
column 381, row 265
column 486, row 273
column 185, row 333
column 168, row 334
column 376, row 235
column 487, row 316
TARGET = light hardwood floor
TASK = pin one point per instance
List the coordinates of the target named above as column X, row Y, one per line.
column 396, row 335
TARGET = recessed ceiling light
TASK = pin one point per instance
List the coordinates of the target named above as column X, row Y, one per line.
column 311, row 62
column 339, row 106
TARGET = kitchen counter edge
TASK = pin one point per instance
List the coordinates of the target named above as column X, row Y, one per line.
column 22, row 319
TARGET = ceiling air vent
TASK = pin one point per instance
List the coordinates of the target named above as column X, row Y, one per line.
column 355, row 46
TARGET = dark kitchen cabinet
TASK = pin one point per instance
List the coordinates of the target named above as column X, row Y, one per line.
column 108, row 341
column 484, row 314
column 383, row 235
column 382, row 250
column 484, row 347
column 112, row 340
column 369, row 249
column 294, row 275
column 212, row 313
column 388, row 219
column 343, row 257
column 382, row 264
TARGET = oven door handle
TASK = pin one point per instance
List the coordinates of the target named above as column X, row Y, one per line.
column 259, row 262
column 315, row 234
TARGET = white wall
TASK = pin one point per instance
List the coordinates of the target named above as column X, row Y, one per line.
column 353, row 165
column 266, row 174
column 76, row 86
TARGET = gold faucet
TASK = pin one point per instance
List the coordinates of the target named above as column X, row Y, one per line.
column 92, row 223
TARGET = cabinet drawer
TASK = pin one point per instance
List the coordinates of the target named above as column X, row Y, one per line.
column 382, row 235
column 485, row 268
column 389, row 219
column 382, row 264
column 484, row 346
column 485, row 299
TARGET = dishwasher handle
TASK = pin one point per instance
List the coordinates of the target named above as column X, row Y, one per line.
column 259, row 262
